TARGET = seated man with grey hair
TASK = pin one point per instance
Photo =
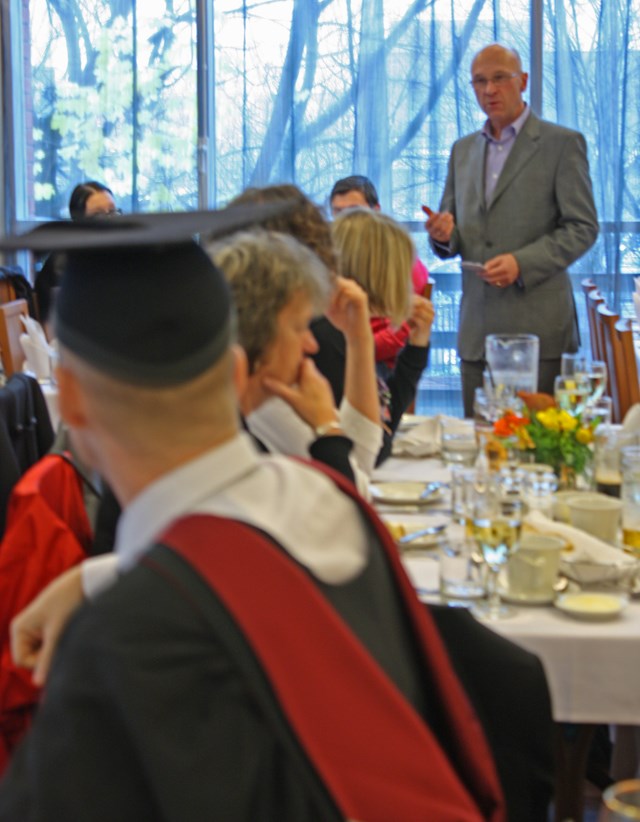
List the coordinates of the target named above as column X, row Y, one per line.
column 263, row 655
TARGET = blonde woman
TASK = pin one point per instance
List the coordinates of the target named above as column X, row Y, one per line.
column 376, row 252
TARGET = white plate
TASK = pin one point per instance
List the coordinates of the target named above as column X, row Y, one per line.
column 403, row 493
column 591, row 605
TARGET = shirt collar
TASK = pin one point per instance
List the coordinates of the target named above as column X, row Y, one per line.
column 511, row 131
column 179, row 491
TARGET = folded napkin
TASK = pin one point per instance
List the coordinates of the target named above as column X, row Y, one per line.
column 586, row 548
column 631, row 421
column 424, row 439
column 36, row 349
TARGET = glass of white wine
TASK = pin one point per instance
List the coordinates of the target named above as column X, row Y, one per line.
column 572, row 393
column 496, row 522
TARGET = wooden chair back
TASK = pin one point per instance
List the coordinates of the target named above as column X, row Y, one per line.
column 594, row 299
column 428, row 288
column 7, row 291
column 630, row 393
column 10, row 330
column 613, row 357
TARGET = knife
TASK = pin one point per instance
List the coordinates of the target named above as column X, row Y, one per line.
column 423, row 532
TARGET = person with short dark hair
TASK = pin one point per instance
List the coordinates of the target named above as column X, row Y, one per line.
column 344, row 193
column 92, row 199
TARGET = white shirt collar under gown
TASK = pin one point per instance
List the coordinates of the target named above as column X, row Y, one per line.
column 287, row 500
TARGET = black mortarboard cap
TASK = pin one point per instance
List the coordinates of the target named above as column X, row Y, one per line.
column 139, row 299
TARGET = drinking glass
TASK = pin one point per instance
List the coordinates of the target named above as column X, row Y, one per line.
column 572, row 393
column 496, row 522
column 571, row 364
column 630, row 460
column 596, row 374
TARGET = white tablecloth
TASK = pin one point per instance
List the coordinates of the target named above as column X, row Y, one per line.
column 593, row 668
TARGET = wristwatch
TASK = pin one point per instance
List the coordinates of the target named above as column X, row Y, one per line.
column 327, row 428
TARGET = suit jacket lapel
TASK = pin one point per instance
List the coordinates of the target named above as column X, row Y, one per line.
column 524, row 148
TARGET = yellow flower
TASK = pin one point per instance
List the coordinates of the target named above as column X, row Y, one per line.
column 549, row 418
column 567, row 421
column 584, row 435
column 524, row 439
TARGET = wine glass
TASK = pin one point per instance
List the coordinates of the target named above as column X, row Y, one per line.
column 571, row 364
column 496, row 522
column 572, row 393
column 596, row 374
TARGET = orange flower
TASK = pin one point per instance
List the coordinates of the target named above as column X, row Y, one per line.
column 508, row 424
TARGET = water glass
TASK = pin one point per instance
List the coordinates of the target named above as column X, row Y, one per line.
column 539, row 487
column 458, row 442
column 462, row 479
column 462, row 569
column 598, row 412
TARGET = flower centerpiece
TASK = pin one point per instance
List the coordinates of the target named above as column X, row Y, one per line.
column 549, row 434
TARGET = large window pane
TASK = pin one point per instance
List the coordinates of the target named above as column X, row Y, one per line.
column 110, row 91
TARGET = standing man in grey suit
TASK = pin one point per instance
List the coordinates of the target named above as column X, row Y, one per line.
column 517, row 200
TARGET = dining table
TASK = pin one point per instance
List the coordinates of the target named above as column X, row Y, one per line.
column 591, row 666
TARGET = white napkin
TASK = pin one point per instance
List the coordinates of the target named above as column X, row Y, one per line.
column 425, row 439
column 586, row 548
column 631, row 421
column 36, row 349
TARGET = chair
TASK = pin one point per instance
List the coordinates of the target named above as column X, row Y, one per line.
column 629, row 379
column 25, row 433
column 593, row 299
column 588, row 286
column 428, row 288
column 613, row 357
column 10, row 330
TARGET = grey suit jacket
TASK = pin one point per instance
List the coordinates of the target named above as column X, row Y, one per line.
column 542, row 212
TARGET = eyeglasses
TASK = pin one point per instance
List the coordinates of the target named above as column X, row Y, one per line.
column 480, row 83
